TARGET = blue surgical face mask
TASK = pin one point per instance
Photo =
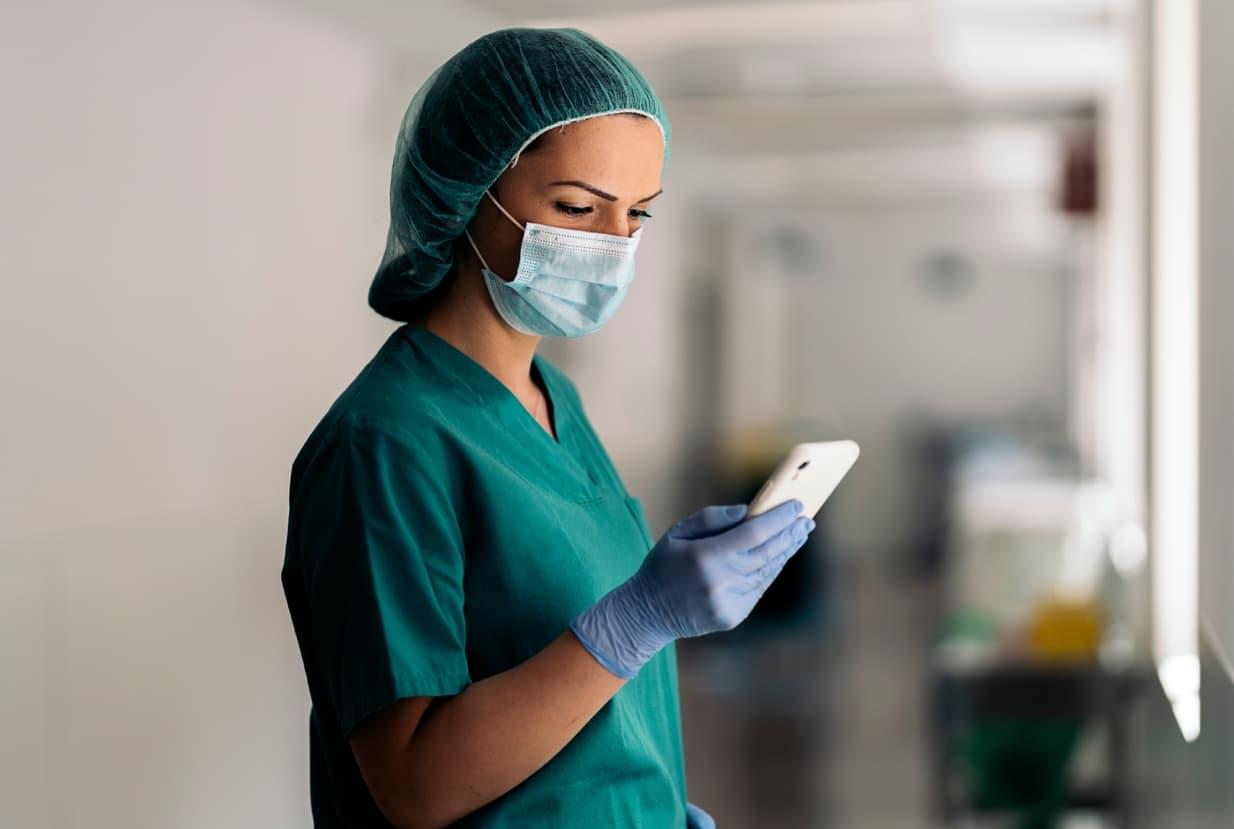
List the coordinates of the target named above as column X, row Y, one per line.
column 569, row 282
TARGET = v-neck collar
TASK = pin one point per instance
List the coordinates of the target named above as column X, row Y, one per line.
column 479, row 383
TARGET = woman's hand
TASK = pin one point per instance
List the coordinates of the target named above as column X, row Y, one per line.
column 704, row 575
column 696, row 818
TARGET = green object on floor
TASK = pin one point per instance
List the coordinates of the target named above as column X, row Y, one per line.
column 1020, row 765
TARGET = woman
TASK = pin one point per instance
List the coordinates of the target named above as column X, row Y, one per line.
column 486, row 636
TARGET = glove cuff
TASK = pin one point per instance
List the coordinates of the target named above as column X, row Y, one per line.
column 617, row 632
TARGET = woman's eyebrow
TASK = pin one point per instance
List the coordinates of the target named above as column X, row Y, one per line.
column 609, row 196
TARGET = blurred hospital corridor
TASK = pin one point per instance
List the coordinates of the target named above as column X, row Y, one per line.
column 987, row 240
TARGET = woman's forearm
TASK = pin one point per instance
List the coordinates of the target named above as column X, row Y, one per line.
column 476, row 746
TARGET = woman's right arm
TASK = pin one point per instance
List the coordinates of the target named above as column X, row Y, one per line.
column 428, row 767
column 426, row 770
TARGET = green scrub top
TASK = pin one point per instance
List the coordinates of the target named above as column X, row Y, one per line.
column 439, row 535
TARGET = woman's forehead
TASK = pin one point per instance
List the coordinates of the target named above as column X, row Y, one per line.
column 626, row 153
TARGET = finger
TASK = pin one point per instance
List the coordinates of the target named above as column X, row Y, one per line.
column 786, row 545
column 709, row 521
column 758, row 583
column 745, row 562
column 755, row 531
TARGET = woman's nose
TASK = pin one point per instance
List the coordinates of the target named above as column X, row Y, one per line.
column 620, row 225
column 618, row 222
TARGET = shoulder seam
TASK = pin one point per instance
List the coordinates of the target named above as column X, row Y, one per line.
column 361, row 420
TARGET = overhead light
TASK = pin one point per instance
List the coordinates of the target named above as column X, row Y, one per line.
column 997, row 46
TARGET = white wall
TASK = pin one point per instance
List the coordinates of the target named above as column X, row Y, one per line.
column 200, row 204
column 193, row 203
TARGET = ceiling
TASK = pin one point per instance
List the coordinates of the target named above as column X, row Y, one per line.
column 809, row 77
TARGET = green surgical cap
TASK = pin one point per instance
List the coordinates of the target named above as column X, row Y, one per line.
column 468, row 123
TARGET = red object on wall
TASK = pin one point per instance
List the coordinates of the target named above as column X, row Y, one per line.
column 1078, row 194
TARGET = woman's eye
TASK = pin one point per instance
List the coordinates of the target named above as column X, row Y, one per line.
column 575, row 210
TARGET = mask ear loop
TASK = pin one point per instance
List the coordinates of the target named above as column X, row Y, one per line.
column 472, row 242
column 504, row 211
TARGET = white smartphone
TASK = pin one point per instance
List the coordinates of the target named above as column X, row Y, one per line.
column 810, row 472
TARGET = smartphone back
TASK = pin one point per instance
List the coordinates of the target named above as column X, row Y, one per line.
column 810, row 472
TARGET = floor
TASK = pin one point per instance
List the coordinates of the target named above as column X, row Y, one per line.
column 820, row 727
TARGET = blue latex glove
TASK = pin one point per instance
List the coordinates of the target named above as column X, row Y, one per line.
column 696, row 818
column 704, row 575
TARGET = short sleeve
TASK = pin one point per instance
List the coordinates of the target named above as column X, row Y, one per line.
column 383, row 569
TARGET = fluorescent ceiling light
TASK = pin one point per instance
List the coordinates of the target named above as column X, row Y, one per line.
column 1065, row 61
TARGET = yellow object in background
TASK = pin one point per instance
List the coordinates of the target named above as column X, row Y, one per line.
column 1064, row 629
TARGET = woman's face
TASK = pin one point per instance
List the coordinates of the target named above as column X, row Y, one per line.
column 600, row 174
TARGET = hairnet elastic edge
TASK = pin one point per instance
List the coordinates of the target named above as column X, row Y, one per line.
column 663, row 134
